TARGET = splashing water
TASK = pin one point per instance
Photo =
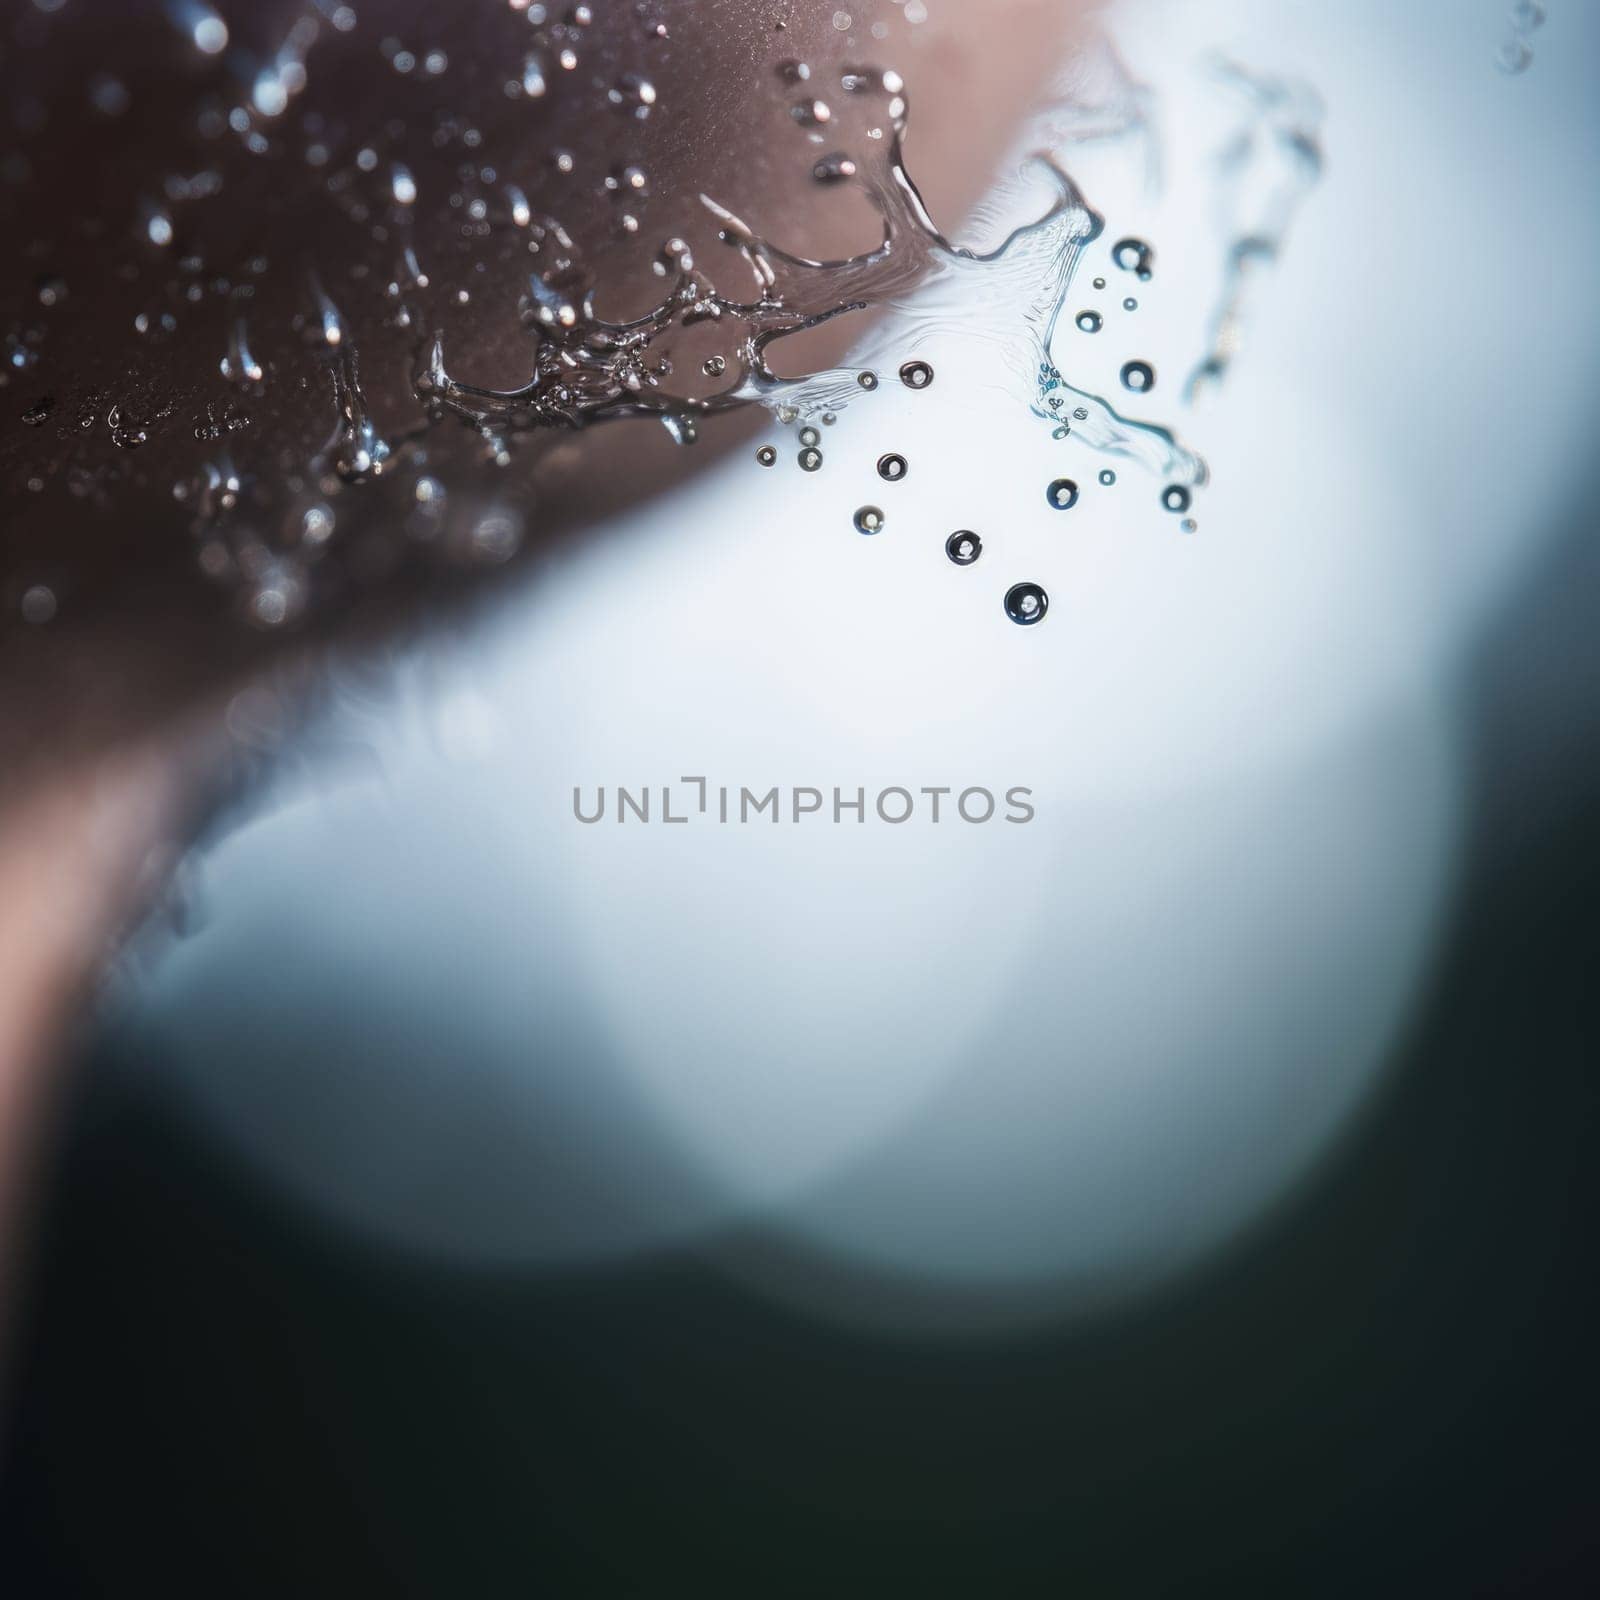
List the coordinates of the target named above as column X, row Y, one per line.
column 582, row 367
column 1264, row 172
column 587, row 368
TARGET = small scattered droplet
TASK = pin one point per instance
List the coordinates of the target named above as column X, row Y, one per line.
column 869, row 519
column 1188, row 525
column 867, row 380
column 316, row 524
column 892, row 468
column 1099, row 283
column 835, row 168
column 916, row 374
column 1139, row 376
column 1062, row 494
column 1175, row 497
column 633, row 95
column 963, row 547
column 767, row 456
column 37, row 414
column 810, row 459
column 714, row 366
column 1107, row 476
column 1130, row 304
column 1135, row 256
column 38, row 605
column 1090, row 321
column 810, row 436
column 126, row 433
column 1026, row 604
column 238, row 365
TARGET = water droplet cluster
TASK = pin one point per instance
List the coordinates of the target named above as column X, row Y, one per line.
column 440, row 234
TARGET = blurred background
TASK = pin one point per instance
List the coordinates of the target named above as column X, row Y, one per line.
column 1186, row 1191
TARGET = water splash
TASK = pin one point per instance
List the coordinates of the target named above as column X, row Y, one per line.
column 1264, row 172
column 586, row 368
column 1002, row 304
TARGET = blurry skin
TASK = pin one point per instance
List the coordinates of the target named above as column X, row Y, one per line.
column 113, row 712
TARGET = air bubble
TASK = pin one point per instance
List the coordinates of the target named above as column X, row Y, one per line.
column 869, row 519
column 963, row 547
column 1062, row 494
column 1026, row 604
column 892, row 468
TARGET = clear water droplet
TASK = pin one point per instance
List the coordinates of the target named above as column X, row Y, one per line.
column 1135, row 256
column 1062, row 494
column 810, row 436
column 810, row 459
column 916, row 374
column 867, row 380
column 869, row 519
column 1107, row 476
column 892, row 468
column 1026, row 604
column 767, row 456
column 1138, row 376
column 963, row 547
column 1175, row 497
column 1090, row 321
